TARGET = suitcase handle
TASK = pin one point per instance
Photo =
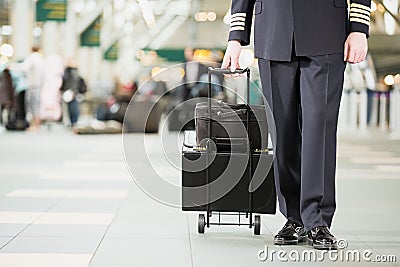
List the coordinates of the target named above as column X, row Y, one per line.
column 227, row 71
column 231, row 113
column 212, row 70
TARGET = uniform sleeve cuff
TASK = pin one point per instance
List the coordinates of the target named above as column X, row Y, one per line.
column 239, row 36
column 359, row 27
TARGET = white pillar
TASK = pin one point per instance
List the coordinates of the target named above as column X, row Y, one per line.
column 51, row 38
column 382, row 112
column 392, row 105
column 374, row 111
column 390, row 23
column 83, row 62
column 96, row 61
column 353, row 108
column 22, row 23
column 395, row 113
column 70, row 43
column 343, row 112
column 396, row 108
column 363, row 119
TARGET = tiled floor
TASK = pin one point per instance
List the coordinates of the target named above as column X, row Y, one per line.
column 68, row 200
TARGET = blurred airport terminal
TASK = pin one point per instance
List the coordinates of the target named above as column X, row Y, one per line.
column 84, row 83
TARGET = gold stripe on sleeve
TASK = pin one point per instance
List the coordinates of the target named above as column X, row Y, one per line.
column 359, row 20
column 238, row 15
column 238, row 19
column 237, row 28
column 358, row 10
column 352, row 15
column 367, row 8
column 237, row 24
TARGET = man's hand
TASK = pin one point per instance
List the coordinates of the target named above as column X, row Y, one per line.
column 356, row 47
column 231, row 58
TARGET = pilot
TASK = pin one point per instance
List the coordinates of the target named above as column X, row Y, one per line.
column 302, row 48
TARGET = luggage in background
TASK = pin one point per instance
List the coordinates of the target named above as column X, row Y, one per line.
column 143, row 114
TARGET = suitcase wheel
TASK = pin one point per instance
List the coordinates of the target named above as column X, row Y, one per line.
column 201, row 224
column 257, row 224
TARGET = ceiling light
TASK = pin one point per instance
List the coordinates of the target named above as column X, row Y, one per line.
column 381, row 8
column 211, row 16
column 79, row 6
column 6, row 30
column 227, row 18
column 389, row 80
column 373, row 6
column 6, row 50
column 37, row 31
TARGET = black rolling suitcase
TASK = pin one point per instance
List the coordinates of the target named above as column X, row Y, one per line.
column 235, row 175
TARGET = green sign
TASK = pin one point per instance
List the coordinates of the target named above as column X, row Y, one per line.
column 55, row 10
column 112, row 53
column 91, row 36
column 178, row 55
column 173, row 55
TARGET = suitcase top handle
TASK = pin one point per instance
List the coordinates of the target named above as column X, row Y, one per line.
column 231, row 113
column 212, row 70
column 227, row 71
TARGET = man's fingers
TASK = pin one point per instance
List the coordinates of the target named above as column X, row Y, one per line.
column 351, row 55
column 356, row 56
column 360, row 57
column 363, row 55
column 226, row 61
column 346, row 52
column 234, row 63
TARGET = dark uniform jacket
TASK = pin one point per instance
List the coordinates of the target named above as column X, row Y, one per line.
column 314, row 27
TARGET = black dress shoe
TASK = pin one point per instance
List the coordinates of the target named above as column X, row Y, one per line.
column 291, row 234
column 320, row 238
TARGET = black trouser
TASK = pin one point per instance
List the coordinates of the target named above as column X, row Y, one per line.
column 304, row 95
column 20, row 102
column 74, row 111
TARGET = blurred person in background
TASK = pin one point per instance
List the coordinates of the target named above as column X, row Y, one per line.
column 6, row 94
column 201, row 88
column 116, row 104
column 18, row 121
column 33, row 67
column 193, row 71
column 73, row 87
column 50, row 98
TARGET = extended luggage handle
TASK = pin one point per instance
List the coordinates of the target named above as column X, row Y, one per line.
column 227, row 71
column 211, row 71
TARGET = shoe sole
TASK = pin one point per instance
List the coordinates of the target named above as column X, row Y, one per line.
column 290, row 242
column 321, row 247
